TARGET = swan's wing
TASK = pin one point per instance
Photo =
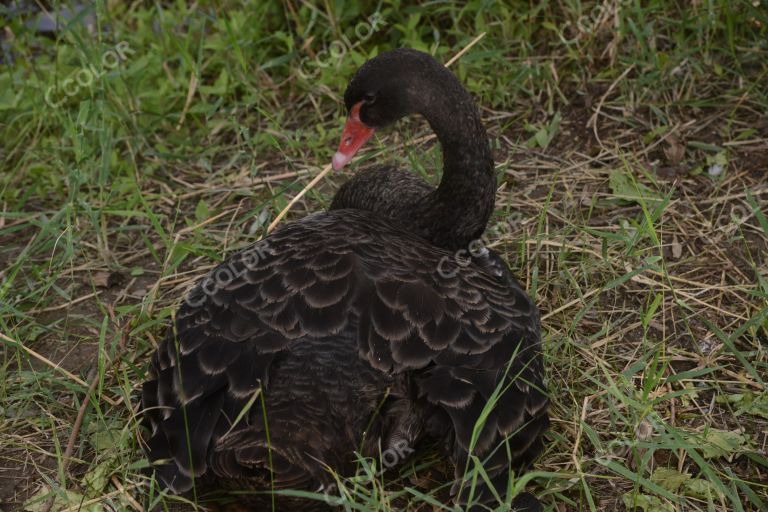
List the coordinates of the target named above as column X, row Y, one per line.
column 471, row 333
column 226, row 335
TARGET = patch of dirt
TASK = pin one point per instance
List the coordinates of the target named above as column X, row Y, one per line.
column 19, row 477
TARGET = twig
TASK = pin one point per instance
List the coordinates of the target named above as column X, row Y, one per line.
column 132, row 502
column 593, row 120
column 465, row 50
column 67, row 304
column 82, row 506
column 293, row 201
column 190, row 95
column 50, row 363
column 328, row 167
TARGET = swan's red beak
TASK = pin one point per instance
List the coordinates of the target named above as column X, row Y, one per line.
column 355, row 134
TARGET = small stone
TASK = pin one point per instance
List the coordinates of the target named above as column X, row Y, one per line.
column 106, row 279
column 644, row 431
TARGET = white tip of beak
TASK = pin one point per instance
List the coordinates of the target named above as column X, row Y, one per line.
column 340, row 160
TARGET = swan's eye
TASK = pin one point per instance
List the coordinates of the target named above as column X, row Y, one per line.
column 369, row 98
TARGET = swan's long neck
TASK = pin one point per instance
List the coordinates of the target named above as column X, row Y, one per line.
column 458, row 210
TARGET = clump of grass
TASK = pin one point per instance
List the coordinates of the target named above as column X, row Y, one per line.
column 607, row 120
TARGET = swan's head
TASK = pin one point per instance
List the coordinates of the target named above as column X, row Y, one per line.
column 390, row 86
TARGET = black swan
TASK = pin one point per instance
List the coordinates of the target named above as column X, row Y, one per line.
column 339, row 334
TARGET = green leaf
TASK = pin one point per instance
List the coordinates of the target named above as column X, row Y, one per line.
column 747, row 403
column 542, row 138
column 744, row 135
column 646, row 503
column 219, row 88
column 103, row 440
column 201, row 211
column 720, row 158
column 636, row 478
column 701, row 489
column 719, row 443
column 670, row 479
column 628, row 191
column 97, row 477
column 63, row 500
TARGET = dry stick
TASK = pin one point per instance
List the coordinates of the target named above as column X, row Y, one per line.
column 190, row 95
column 50, row 363
column 70, row 449
column 298, row 196
column 132, row 502
column 465, row 49
column 82, row 506
column 328, row 167
column 593, row 120
column 67, row 304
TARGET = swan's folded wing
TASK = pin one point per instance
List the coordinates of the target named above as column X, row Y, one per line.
column 476, row 335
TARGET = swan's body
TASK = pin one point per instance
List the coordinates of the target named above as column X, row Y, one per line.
column 352, row 339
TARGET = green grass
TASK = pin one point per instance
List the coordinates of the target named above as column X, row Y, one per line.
column 651, row 274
